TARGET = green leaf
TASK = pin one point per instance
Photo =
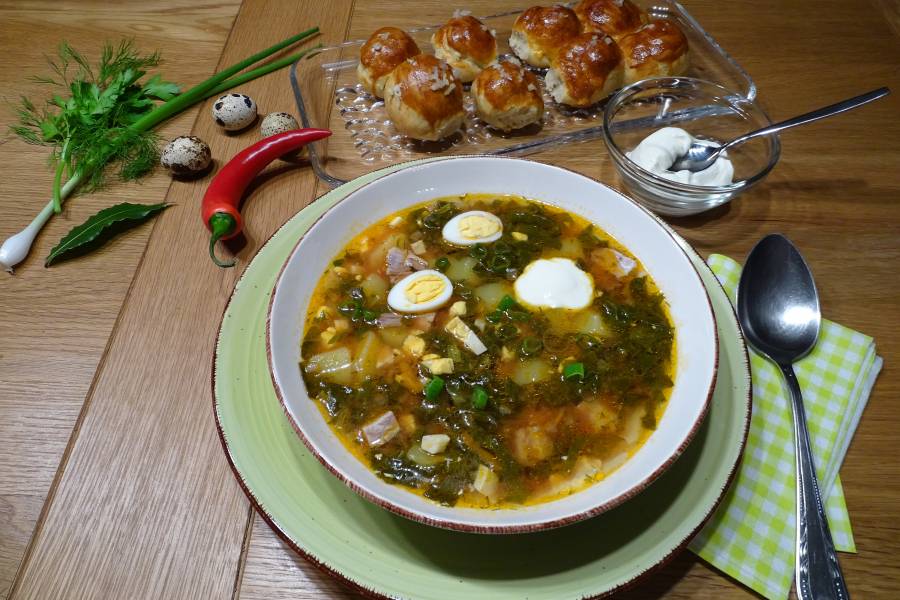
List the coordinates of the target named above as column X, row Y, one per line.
column 155, row 87
column 87, row 235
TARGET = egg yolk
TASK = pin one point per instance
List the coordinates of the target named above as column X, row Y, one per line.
column 424, row 289
column 476, row 227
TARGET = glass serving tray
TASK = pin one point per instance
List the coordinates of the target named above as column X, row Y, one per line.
column 328, row 95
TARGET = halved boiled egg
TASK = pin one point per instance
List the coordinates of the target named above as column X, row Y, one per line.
column 473, row 227
column 422, row 291
column 554, row 283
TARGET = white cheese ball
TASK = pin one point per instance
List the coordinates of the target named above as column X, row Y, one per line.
column 186, row 155
column 233, row 112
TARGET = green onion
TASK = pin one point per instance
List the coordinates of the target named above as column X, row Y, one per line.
column 434, row 388
column 531, row 346
column 478, row 251
column 494, row 317
column 260, row 71
column 369, row 315
column 479, row 398
column 573, row 371
column 506, row 302
column 442, row 264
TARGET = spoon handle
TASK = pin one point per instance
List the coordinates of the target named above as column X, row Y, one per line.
column 815, row 115
column 818, row 573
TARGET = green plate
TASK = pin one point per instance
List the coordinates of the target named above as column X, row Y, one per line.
column 386, row 555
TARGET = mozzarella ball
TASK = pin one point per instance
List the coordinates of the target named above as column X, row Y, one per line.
column 422, row 291
column 186, row 155
column 554, row 283
column 233, row 112
column 467, row 45
column 473, row 227
column 508, row 96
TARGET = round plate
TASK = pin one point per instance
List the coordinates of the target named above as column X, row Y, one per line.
column 385, row 555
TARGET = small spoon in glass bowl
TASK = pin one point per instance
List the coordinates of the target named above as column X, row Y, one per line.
column 778, row 308
column 704, row 153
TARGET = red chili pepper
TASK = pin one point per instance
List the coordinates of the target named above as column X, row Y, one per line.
column 220, row 204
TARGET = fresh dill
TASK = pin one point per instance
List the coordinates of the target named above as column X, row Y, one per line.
column 90, row 131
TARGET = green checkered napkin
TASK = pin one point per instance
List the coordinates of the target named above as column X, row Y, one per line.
column 751, row 535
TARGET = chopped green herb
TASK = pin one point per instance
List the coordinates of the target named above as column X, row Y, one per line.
column 573, row 371
column 479, row 398
column 442, row 264
column 434, row 388
column 506, row 303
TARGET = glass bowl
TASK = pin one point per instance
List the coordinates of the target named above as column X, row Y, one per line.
column 706, row 111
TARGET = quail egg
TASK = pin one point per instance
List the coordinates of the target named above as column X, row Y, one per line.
column 473, row 227
column 234, row 111
column 185, row 155
column 554, row 283
column 423, row 291
column 277, row 122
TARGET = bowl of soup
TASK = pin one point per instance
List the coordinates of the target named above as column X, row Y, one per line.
column 492, row 345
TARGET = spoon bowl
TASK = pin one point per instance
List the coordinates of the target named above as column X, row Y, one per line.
column 778, row 305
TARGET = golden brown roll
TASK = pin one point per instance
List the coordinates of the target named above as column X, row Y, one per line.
column 538, row 33
column 658, row 49
column 587, row 69
column 615, row 18
column 508, row 96
column 466, row 44
column 384, row 50
column 424, row 99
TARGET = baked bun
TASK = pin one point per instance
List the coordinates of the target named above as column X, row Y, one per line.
column 384, row 50
column 424, row 99
column 508, row 96
column 615, row 18
column 466, row 44
column 538, row 33
column 658, row 49
column 587, row 69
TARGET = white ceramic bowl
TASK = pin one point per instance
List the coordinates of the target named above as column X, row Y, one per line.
column 622, row 218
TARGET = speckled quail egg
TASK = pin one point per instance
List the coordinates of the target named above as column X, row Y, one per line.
column 185, row 155
column 277, row 122
column 473, row 227
column 234, row 111
column 423, row 291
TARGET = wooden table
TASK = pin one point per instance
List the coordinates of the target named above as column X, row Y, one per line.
column 113, row 483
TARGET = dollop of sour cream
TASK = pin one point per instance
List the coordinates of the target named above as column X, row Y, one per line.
column 658, row 152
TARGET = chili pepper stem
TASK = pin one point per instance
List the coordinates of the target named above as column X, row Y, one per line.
column 221, row 225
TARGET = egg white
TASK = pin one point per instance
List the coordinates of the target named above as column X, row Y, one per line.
column 452, row 234
column 554, row 283
column 398, row 300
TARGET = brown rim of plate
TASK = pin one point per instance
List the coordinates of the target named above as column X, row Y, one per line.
column 373, row 497
column 355, row 585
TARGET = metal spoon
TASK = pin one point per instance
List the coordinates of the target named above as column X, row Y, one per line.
column 704, row 153
column 778, row 308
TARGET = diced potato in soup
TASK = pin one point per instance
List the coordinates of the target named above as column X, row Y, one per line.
column 485, row 400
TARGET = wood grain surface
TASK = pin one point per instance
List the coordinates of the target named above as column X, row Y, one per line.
column 112, row 479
